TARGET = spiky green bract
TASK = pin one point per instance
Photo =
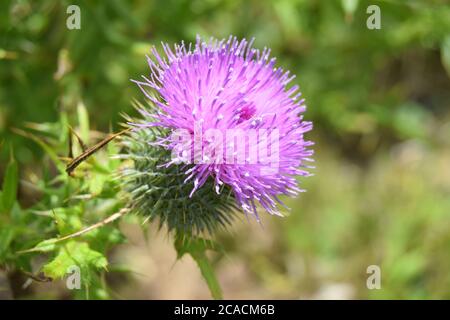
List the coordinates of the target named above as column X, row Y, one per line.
column 160, row 192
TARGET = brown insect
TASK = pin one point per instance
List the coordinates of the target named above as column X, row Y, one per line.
column 87, row 152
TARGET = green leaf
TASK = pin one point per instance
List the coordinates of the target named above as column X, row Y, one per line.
column 83, row 121
column 16, row 213
column 187, row 245
column 96, row 185
column 196, row 248
column 445, row 54
column 67, row 219
column 47, row 148
column 43, row 246
column 10, row 184
column 6, row 237
column 79, row 254
column 349, row 6
column 103, row 238
column 2, row 207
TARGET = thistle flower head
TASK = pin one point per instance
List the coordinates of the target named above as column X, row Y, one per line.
column 233, row 118
column 159, row 192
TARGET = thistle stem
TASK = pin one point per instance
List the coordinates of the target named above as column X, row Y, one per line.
column 208, row 273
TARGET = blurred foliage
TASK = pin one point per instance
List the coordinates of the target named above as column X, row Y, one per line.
column 379, row 99
column 32, row 239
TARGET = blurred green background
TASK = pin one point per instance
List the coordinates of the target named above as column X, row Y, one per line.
column 379, row 99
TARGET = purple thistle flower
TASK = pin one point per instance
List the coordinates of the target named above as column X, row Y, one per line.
column 228, row 85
